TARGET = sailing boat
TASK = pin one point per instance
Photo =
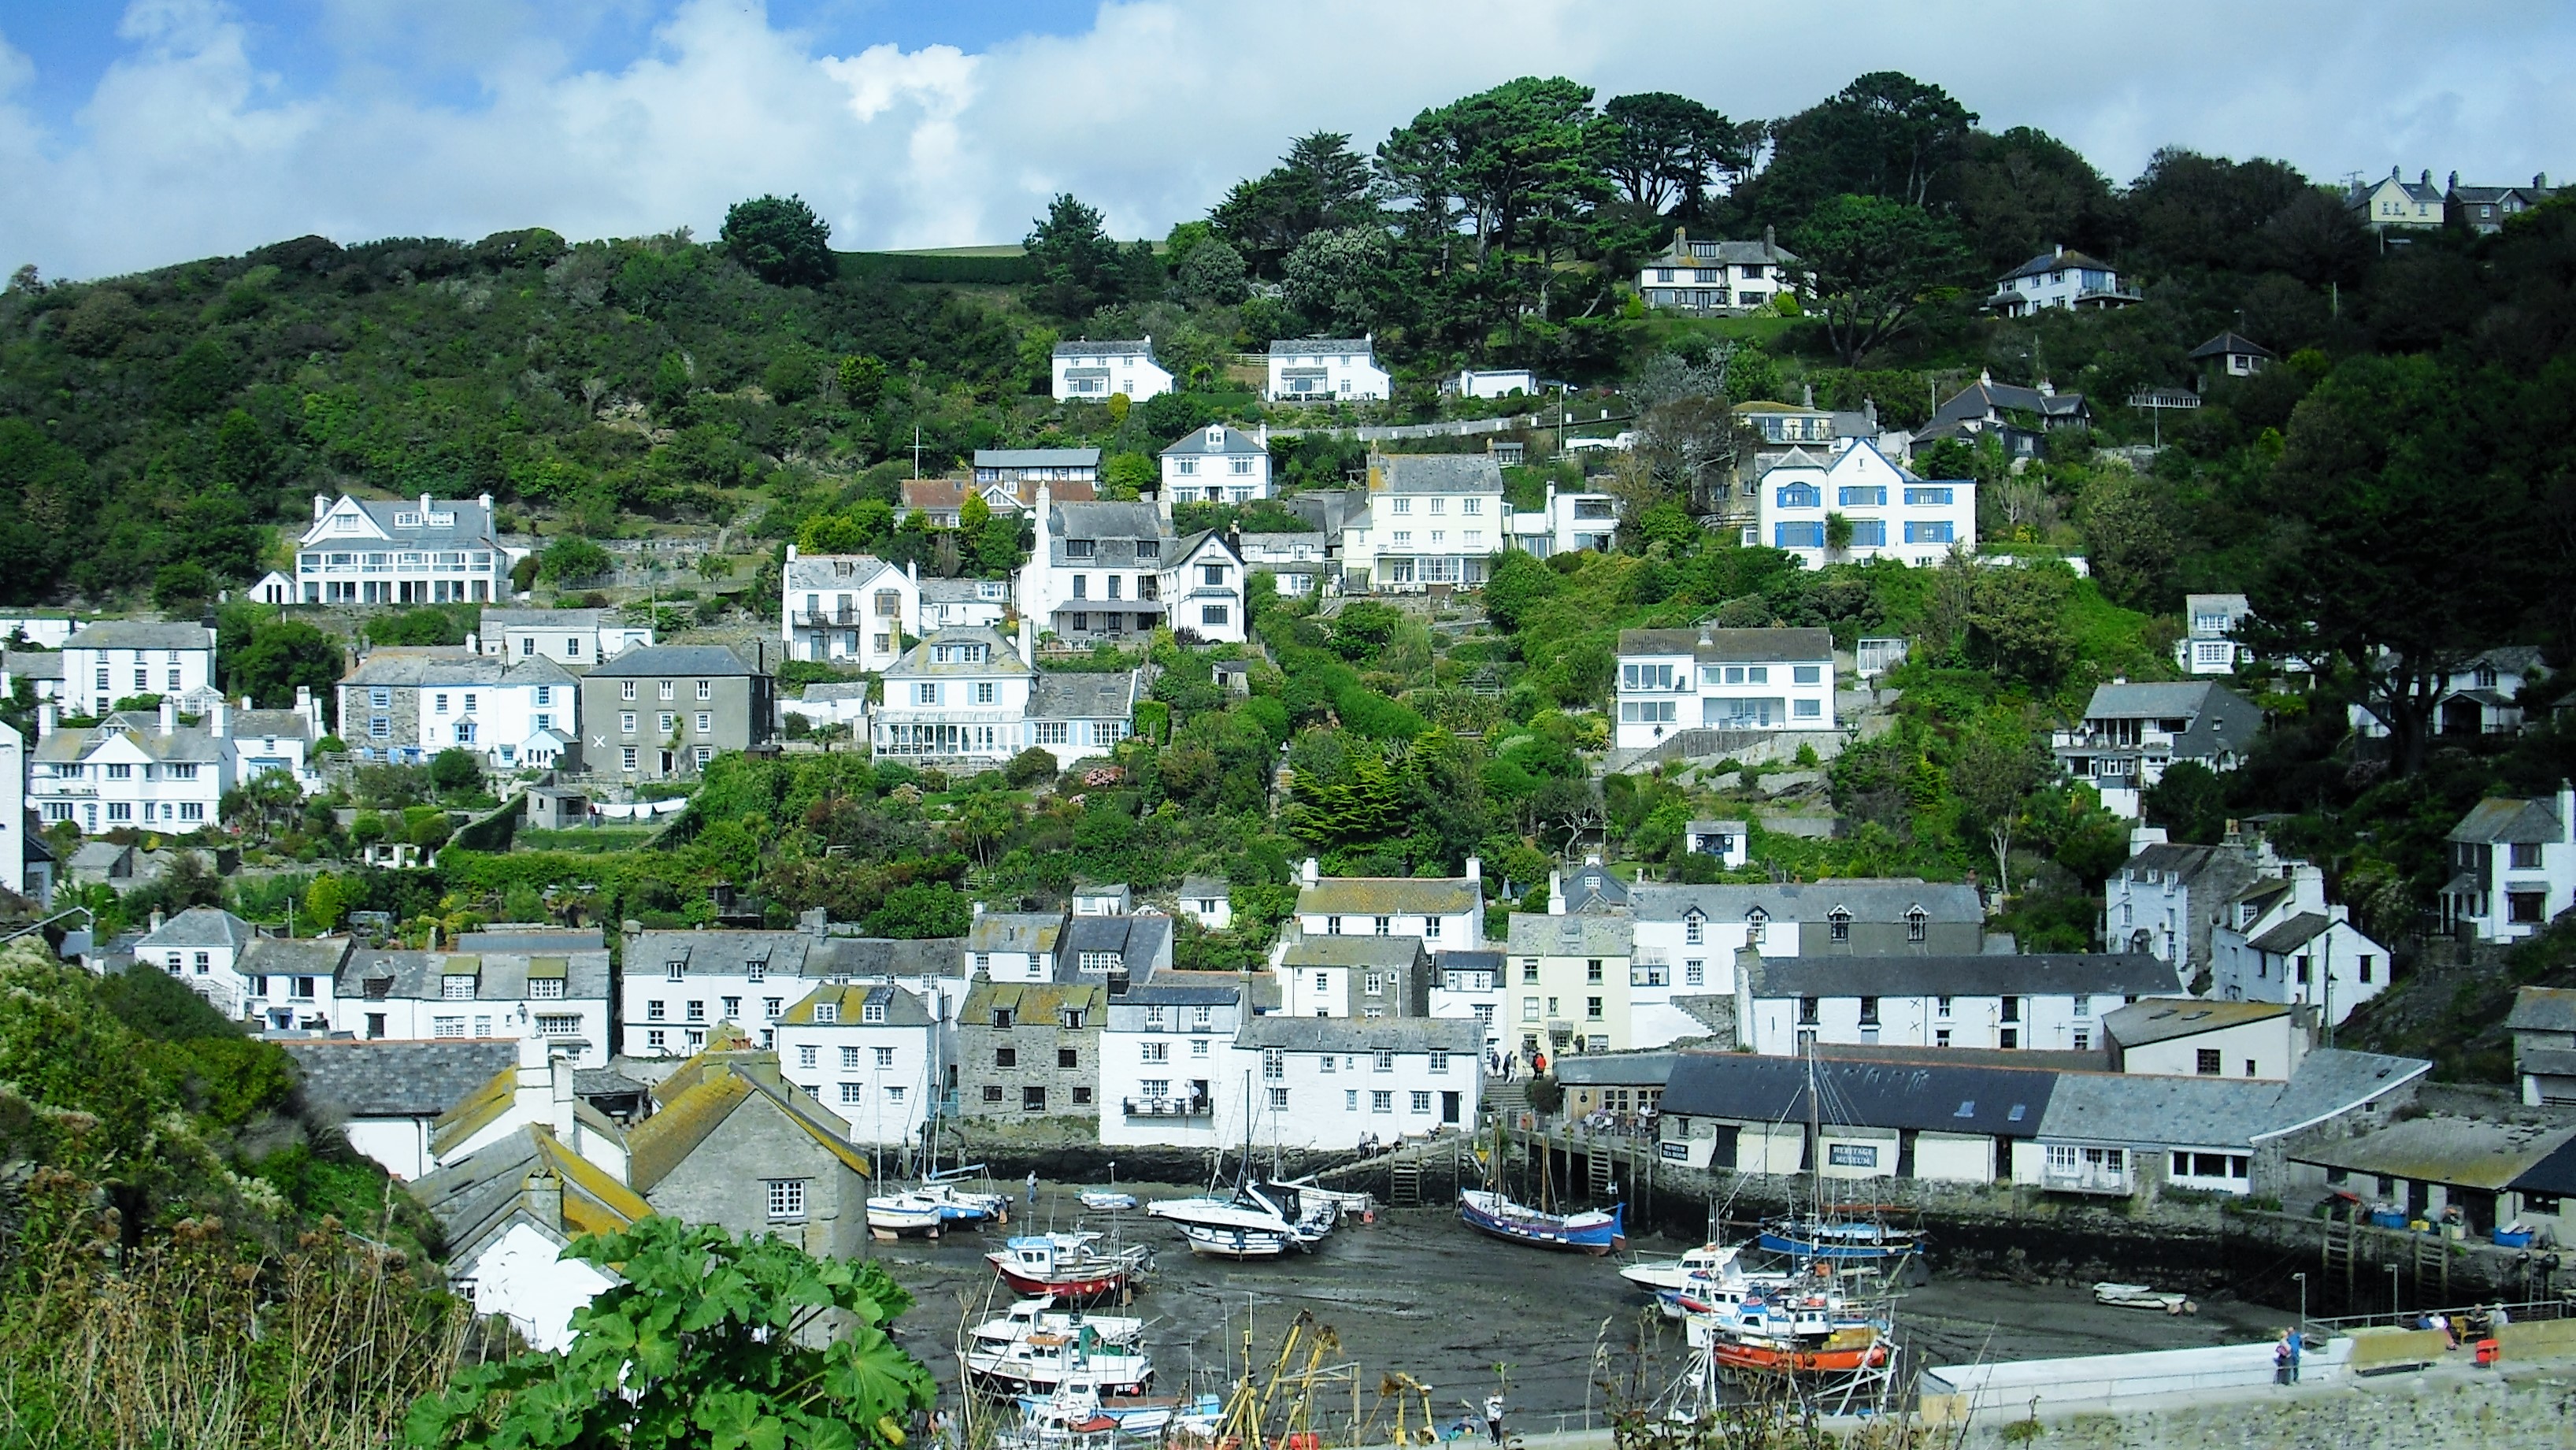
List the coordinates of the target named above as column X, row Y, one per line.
column 1258, row 1220
column 1490, row 1211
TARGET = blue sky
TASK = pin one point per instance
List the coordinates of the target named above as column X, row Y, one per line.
column 140, row 132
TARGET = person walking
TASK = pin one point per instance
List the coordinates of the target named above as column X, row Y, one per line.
column 1494, row 1417
column 1033, row 1191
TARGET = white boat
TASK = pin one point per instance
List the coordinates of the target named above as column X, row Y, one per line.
column 1213, row 1242
column 2140, row 1296
column 1035, row 1351
column 907, row 1212
column 959, row 1205
column 1661, row 1274
column 1102, row 1200
column 1258, row 1221
column 1079, row 1406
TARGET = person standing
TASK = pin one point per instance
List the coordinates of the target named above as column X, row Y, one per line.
column 1494, row 1417
column 1033, row 1191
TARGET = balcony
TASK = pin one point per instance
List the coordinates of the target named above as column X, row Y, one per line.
column 852, row 618
column 1169, row 1107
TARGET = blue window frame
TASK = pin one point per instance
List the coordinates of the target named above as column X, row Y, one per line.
column 1869, row 533
column 1929, row 533
column 1800, row 496
column 1871, row 495
column 1927, row 497
column 1798, row 536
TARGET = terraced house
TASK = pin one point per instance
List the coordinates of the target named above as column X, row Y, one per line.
column 423, row 551
column 547, row 983
column 872, row 1053
column 119, row 659
column 733, row 1142
column 1027, row 1049
column 408, row 703
column 131, row 771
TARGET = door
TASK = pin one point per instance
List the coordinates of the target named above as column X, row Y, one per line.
column 1449, row 1107
column 667, row 765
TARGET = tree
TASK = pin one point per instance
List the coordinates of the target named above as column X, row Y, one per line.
column 282, row 654
column 1338, row 281
column 1321, row 183
column 572, row 559
column 182, row 587
column 1214, row 272
column 781, row 241
column 1076, row 260
column 1126, row 475
column 922, row 910
column 2188, row 800
column 705, row 1340
column 2369, row 508
column 861, row 379
column 453, row 771
column 1869, row 264
column 1996, row 769
column 1885, row 135
column 2018, row 193
column 2187, row 209
column 2127, row 539
column 326, row 901
column 1665, row 150
column 2017, row 621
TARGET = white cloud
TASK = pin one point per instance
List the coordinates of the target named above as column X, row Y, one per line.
column 187, row 146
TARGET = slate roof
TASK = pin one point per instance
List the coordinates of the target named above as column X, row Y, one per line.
column 1321, row 346
column 1594, row 885
column 1570, row 935
column 958, row 591
column 820, row 572
column 1390, row 896
column 2333, row 1080
column 2171, row 860
column 2060, row 260
column 1105, row 519
column 851, row 1002
column 2542, row 1009
column 2553, row 1174
column 476, row 1199
column 2148, row 701
column 361, row 1079
column 497, row 617
column 675, row 659
column 1076, row 695
column 2226, row 344
column 2162, row 1019
column 2468, row 1152
column 1991, row 974
column 2292, row 934
column 453, row 665
column 472, row 529
column 1085, row 347
column 1014, row 931
column 1933, row 1097
column 922, row 660
column 719, row 1085
column 864, row 957
column 1363, row 1034
column 1037, row 457
column 1733, row 646
column 1030, row 1000
column 279, row 956
column 1175, row 989
column 1442, row 473
column 1196, row 887
column 718, row 953
column 499, row 976
column 1687, row 249
column 186, row 744
column 199, row 926
column 27, row 664
column 2504, row 822
column 1983, row 399
column 1230, row 442
column 2219, row 718
column 1139, row 941
column 1381, row 952
column 140, row 634
column 1621, row 1069
column 534, row 939
column 1868, row 899
column 2154, row 1110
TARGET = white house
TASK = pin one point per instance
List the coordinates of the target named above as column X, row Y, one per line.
column 1694, row 936
column 959, row 695
column 1433, row 519
column 2481, row 695
column 2280, row 940
column 361, row 551
column 16, row 822
column 1446, row 912
column 1567, row 522
column 2189, row 1037
column 2230, row 356
column 2513, row 865
column 1298, row 564
column 873, row 1053
column 1494, row 382
column 1095, row 570
column 1891, row 513
column 1728, row 841
column 1077, row 715
column 1326, row 1082
column 1218, row 464
column 388, row 1096
column 1016, row 469
column 513, row 983
column 2131, row 733
column 1207, row 900
column 573, row 638
column 2394, row 205
column 407, row 703
column 2208, row 645
column 132, row 770
column 2059, row 278
column 118, row 659
column 1470, row 985
column 1168, row 1073
column 1201, row 588
column 1097, row 371
column 846, row 607
column 202, row 948
column 1327, row 370
column 262, row 741
column 2168, row 896
column 2051, row 1001
column 1718, row 276
column 830, row 702
column 950, row 602
column 1723, row 679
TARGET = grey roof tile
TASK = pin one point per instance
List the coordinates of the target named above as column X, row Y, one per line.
column 396, row 1079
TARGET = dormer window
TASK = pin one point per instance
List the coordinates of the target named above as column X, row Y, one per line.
column 873, row 1012
column 1838, row 924
column 827, row 1012
column 1694, row 929
column 1078, row 549
column 1754, row 922
column 1914, row 923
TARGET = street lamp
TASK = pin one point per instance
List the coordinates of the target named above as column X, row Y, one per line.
column 2303, row 1304
column 2392, row 1291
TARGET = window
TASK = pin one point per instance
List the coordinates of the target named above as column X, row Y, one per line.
column 698, row 1010
column 2208, row 1064
column 1914, row 923
column 1006, row 1057
column 706, row 723
column 1862, row 495
column 1274, row 1064
column 1033, row 1100
column 1422, row 1102
column 1068, row 1057
column 666, row 722
column 786, row 1199
column 1695, row 973
column 1279, row 1100
column 807, row 1055
column 1918, row 531
column 1927, row 497
column 1800, row 496
column 666, row 689
column 1382, row 1102
column 626, row 689
column 456, row 987
column 1158, row 1052
column 2525, row 908
column 1838, row 924
column 447, row 1027
column 1592, row 1009
column 1808, row 1008
column 2526, row 855
column 1869, row 1011
column 992, row 1092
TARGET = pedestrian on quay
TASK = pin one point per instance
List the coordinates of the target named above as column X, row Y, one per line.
column 1033, row 1190
column 1494, row 1417
column 2285, row 1359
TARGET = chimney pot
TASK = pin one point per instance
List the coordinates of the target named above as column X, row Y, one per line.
column 1475, row 868
column 321, row 506
column 169, row 715
column 1311, row 872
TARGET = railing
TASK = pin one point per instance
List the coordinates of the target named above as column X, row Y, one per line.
column 852, row 616
column 2086, row 1180
column 1168, row 1107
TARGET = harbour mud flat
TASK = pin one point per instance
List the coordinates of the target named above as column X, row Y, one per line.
column 1419, row 1293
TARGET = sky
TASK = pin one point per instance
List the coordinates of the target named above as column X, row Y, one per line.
column 161, row 130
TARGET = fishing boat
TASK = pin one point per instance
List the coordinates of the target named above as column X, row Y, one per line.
column 2140, row 1296
column 1070, row 1267
column 1669, row 1274
column 961, row 1205
column 1848, row 1349
column 1102, row 1200
column 910, row 1211
column 1036, row 1349
column 1595, row 1231
column 1817, row 1237
column 1080, row 1404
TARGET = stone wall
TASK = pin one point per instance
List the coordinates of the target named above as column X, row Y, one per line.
column 2520, row 1406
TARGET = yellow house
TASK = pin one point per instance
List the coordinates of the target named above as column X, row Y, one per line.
column 1567, row 987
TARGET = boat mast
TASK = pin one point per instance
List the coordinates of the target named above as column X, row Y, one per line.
column 1815, row 1139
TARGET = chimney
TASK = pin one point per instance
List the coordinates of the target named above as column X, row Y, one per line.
column 44, row 718
column 1163, row 505
column 912, row 570
column 157, row 918
column 216, row 721
column 2455, row 181
column 473, row 643
column 169, row 715
column 1555, row 892
column 2540, row 181
column 543, row 1195
column 1807, row 395
column 559, row 1074
column 424, row 509
column 1869, row 411
column 2427, row 178
column 1475, row 868
column 791, row 553
column 485, row 500
column 2566, row 811
column 1768, row 243
column 2141, row 837
column 321, row 506
column 1029, row 642
column 1311, row 872
column 2059, row 248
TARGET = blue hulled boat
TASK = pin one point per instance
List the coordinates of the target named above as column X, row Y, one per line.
column 1596, row 1231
